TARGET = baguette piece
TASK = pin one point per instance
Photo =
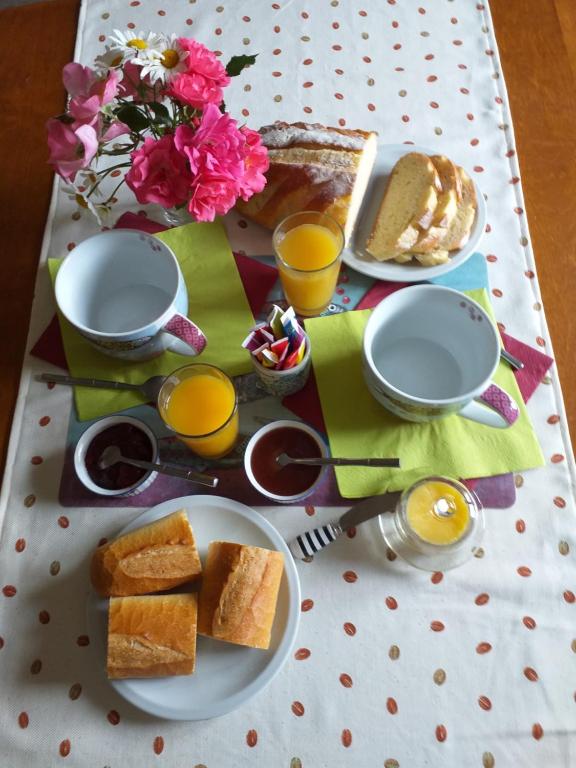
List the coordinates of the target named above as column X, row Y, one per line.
column 239, row 592
column 313, row 168
column 447, row 207
column 408, row 206
column 152, row 558
column 152, row 635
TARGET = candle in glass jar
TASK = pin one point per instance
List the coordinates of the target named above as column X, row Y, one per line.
column 438, row 513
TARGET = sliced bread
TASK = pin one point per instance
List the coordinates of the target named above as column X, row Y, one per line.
column 408, row 206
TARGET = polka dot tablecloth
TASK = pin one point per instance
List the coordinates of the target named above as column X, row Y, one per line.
column 392, row 667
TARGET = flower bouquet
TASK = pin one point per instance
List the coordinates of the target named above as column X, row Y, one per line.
column 153, row 105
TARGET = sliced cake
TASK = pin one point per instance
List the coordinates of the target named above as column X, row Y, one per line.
column 313, row 168
column 408, row 206
column 458, row 232
column 446, row 208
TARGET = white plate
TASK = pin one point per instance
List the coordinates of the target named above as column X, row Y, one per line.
column 355, row 255
column 226, row 675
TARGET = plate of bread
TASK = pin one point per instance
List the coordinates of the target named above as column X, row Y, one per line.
column 195, row 607
column 422, row 216
column 408, row 213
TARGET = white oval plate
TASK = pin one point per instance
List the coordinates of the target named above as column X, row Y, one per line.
column 226, row 675
column 355, row 255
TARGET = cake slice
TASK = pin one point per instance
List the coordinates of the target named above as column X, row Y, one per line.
column 152, row 558
column 313, row 168
column 407, row 207
column 239, row 591
column 433, row 258
column 446, row 208
column 151, row 636
column 458, row 232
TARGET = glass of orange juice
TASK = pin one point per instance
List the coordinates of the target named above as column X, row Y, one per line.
column 438, row 524
column 308, row 248
column 198, row 402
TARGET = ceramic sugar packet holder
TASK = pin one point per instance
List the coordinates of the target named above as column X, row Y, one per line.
column 430, row 351
column 124, row 292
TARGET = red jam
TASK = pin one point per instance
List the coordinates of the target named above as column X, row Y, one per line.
column 132, row 442
column 292, row 479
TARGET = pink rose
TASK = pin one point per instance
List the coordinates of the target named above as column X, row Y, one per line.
column 114, row 129
column 159, row 173
column 215, row 146
column 256, row 163
column 140, row 88
column 212, row 195
column 204, row 78
column 89, row 92
column 72, row 147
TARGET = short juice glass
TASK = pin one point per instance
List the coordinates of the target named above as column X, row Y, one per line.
column 198, row 402
column 308, row 249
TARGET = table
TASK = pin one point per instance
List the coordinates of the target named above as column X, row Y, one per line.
column 545, row 147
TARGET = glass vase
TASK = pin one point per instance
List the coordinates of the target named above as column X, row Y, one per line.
column 177, row 217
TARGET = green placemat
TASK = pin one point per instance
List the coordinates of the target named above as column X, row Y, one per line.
column 217, row 303
column 358, row 426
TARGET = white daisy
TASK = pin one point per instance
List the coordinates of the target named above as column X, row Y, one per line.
column 166, row 61
column 112, row 58
column 77, row 193
column 135, row 45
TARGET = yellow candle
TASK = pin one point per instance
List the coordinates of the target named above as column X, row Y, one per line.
column 201, row 408
column 438, row 513
column 308, row 262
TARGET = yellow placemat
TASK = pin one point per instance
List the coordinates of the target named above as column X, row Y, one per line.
column 358, row 426
column 217, row 303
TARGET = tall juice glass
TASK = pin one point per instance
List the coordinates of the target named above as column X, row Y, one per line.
column 308, row 248
column 198, row 402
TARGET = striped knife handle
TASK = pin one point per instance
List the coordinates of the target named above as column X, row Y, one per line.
column 307, row 544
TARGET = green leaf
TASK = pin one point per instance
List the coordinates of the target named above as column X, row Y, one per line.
column 238, row 63
column 133, row 117
column 161, row 113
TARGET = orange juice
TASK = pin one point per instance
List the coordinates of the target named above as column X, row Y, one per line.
column 201, row 408
column 437, row 513
column 308, row 261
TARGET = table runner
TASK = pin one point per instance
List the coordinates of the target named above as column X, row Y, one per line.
column 392, row 666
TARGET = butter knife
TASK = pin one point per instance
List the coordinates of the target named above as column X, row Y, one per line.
column 309, row 543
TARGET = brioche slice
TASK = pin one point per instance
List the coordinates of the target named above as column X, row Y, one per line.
column 152, row 558
column 408, row 206
column 458, row 232
column 239, row 591
column 446, row 208
column 151, row 636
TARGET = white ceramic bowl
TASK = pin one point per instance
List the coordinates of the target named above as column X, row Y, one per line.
column 264, row 431
column 89, row 435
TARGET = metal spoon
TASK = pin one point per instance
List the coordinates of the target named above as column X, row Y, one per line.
column 283, row 459
column 149, row 388
column 112, row 455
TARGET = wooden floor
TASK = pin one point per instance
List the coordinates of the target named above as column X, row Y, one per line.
column 537, row 41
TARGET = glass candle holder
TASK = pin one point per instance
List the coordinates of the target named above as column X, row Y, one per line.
column 199, row 404
column 308, row 250
column 437, row 525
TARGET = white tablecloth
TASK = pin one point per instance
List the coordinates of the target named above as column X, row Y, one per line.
column 379, row 686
